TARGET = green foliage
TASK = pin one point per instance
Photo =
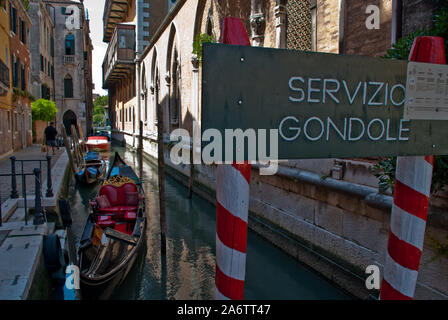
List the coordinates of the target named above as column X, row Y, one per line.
column 385, row 169
column 99, row 110
column 101, row 101
column 198, row 43
column 44, row 110
column 26, row 4
column 98, row 119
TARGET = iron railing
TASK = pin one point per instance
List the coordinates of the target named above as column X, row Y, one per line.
column 37, row 172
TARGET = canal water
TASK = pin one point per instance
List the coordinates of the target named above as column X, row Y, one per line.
column 190, row 259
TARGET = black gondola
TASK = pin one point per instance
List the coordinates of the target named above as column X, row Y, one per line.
column 113, row 234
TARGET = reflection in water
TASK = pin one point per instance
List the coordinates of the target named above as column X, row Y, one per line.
column 190, row 258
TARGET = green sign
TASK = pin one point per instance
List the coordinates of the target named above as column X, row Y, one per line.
column 323, row 105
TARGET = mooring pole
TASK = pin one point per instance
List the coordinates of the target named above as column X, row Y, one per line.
column 411, row 200
column 161, row 172
column 68, row 149
column 140, row 151
column 190, row 183
column 232, row 204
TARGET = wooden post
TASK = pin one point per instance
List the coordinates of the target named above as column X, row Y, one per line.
column 81, row 136
column 78, row 151
column 140, row 149
column 232, row 204
column 67, row 148
column 161, row 165
column 411, row 201
column 190, row 183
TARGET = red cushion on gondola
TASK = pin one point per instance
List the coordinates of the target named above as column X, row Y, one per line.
column 118, row 209
column 112, row 194
column 117, row 196
column 104, row 218
column 103, row 201
column 122, row 227
column 106, row 224
column 131, row 198
column 128, row 216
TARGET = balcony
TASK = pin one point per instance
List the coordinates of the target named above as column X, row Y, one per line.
column 114, row 12
column 69, row 59
column 4, row 79
column 119, row 59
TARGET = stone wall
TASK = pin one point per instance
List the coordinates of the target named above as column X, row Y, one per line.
column 417, row 14
column 328, row 26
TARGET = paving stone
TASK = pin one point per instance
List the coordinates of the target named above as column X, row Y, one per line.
column 13, row 289
column 3, row 235
column 22, row 242
column 18, row 262
column 30, row 230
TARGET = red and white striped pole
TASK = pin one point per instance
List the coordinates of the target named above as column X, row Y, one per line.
column 232, row 204
column 411, row 200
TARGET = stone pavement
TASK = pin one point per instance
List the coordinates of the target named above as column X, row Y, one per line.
column 20, row 251
column 31, row 153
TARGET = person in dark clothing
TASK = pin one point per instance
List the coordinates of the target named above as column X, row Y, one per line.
column 50, row 137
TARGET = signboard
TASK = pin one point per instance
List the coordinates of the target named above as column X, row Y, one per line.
column 427, row 92
column 323, row 105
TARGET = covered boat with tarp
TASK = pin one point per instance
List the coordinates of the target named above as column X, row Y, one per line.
column 92, row 169
column 98, row 143
column 113, row 233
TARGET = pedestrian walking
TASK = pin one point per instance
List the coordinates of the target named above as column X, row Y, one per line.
column 50, row 137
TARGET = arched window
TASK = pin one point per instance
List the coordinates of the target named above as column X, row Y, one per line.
column 68, row 86
column 70, row 45
column 175, row 85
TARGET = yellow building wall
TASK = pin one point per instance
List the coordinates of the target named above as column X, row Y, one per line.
column 5, row 101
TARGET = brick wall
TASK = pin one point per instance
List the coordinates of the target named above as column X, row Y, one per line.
column 358, row 39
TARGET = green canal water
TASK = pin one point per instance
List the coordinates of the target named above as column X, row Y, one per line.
column 190, row 257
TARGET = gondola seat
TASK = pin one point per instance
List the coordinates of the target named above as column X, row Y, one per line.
column 128, row 216
column 106, row 222
column 118, row 198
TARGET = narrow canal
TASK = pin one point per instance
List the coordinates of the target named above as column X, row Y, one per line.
column 190, row 258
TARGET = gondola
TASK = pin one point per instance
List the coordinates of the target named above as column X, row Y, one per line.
column 113, row 233
column 92, row 169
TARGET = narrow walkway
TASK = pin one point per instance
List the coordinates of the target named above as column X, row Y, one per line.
column 31, row 153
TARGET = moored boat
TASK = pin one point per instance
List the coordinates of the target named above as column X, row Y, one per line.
column 98, row 143
column 113, row 233
column 92, row 169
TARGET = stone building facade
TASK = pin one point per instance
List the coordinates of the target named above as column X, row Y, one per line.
column 42, row 50
column 338, row 225
column 72, row 64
